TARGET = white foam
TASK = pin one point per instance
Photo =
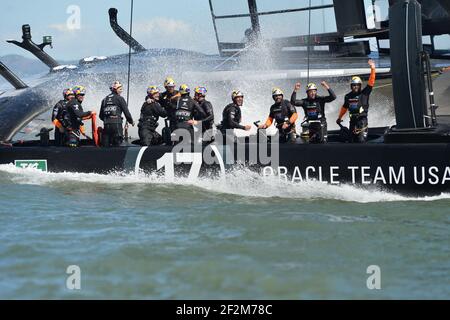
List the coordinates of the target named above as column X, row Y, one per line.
column 241, row 182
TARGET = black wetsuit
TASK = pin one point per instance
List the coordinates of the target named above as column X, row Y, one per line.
column 231, row 118
column 57, row 114
column 315, row 110
column 148, row 122
column 170, row 105
column 208, row 119
column 358, row 108
column 111, row 115
column 281, row 114
column 187, row 109
column 74, row 120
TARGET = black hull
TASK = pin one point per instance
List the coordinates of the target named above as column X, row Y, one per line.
column 413, row 169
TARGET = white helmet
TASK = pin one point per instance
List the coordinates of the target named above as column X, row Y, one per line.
column 236, row 93
column 356, row 80
column 311, row 86
column 277, row 92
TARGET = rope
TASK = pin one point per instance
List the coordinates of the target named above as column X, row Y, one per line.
column 309, row 35
column 129, row 66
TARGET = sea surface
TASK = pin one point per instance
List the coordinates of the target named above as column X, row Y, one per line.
column 249, row 237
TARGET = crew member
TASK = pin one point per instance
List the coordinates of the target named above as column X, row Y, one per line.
column 357, row 103
column 148, row 122
column 74, row 117
column 58, row 116
column 284, row 114
column 231, row 115
column 314, row 108
column 168, row 101
column 200, row 98
column 187, row 110
column 111, row 114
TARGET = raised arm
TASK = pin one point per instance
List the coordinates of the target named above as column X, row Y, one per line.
column 332, row 96
column 294, row 101
column 373, row 73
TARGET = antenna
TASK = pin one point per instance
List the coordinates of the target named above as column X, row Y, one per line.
column 37, row 50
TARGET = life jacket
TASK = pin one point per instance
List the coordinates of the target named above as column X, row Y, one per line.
column 59, row 112
column 168, row 104
column 281, row 113
column 312, row 110
column 185, row 109
column 354, row 105
column 70, row 120
column 358, row 104
column 111, row 110
column 148, row 117
column 235, row 113
column 208, row 118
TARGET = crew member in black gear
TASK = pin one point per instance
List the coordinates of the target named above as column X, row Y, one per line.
column 200, row 98
column 284, row 114
column 314, row 108
column 187, row 110
column 58, row 116
column 168, row 100
column 231, row 115
column 148, row 122
column 74, row 117
column 357, row 103
column 111, row 115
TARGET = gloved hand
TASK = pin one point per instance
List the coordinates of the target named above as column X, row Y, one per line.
column 338, row 121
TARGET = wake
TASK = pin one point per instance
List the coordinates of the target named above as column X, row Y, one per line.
column 241, row 182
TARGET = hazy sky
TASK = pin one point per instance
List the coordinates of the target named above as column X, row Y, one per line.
column 157, row 24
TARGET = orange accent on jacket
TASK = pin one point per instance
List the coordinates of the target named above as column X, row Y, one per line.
column 95, row 131
column 293, row 118
column 57, row 124
column 342, row 112
column 269, row 121
column 372, row 77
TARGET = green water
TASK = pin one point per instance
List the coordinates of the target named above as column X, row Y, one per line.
column 246, row 238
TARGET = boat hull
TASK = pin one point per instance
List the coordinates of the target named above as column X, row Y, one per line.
column 416, row 169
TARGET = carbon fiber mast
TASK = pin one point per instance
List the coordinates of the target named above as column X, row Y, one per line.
column 122, row 34
column 38, row 50
column 11, row 77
